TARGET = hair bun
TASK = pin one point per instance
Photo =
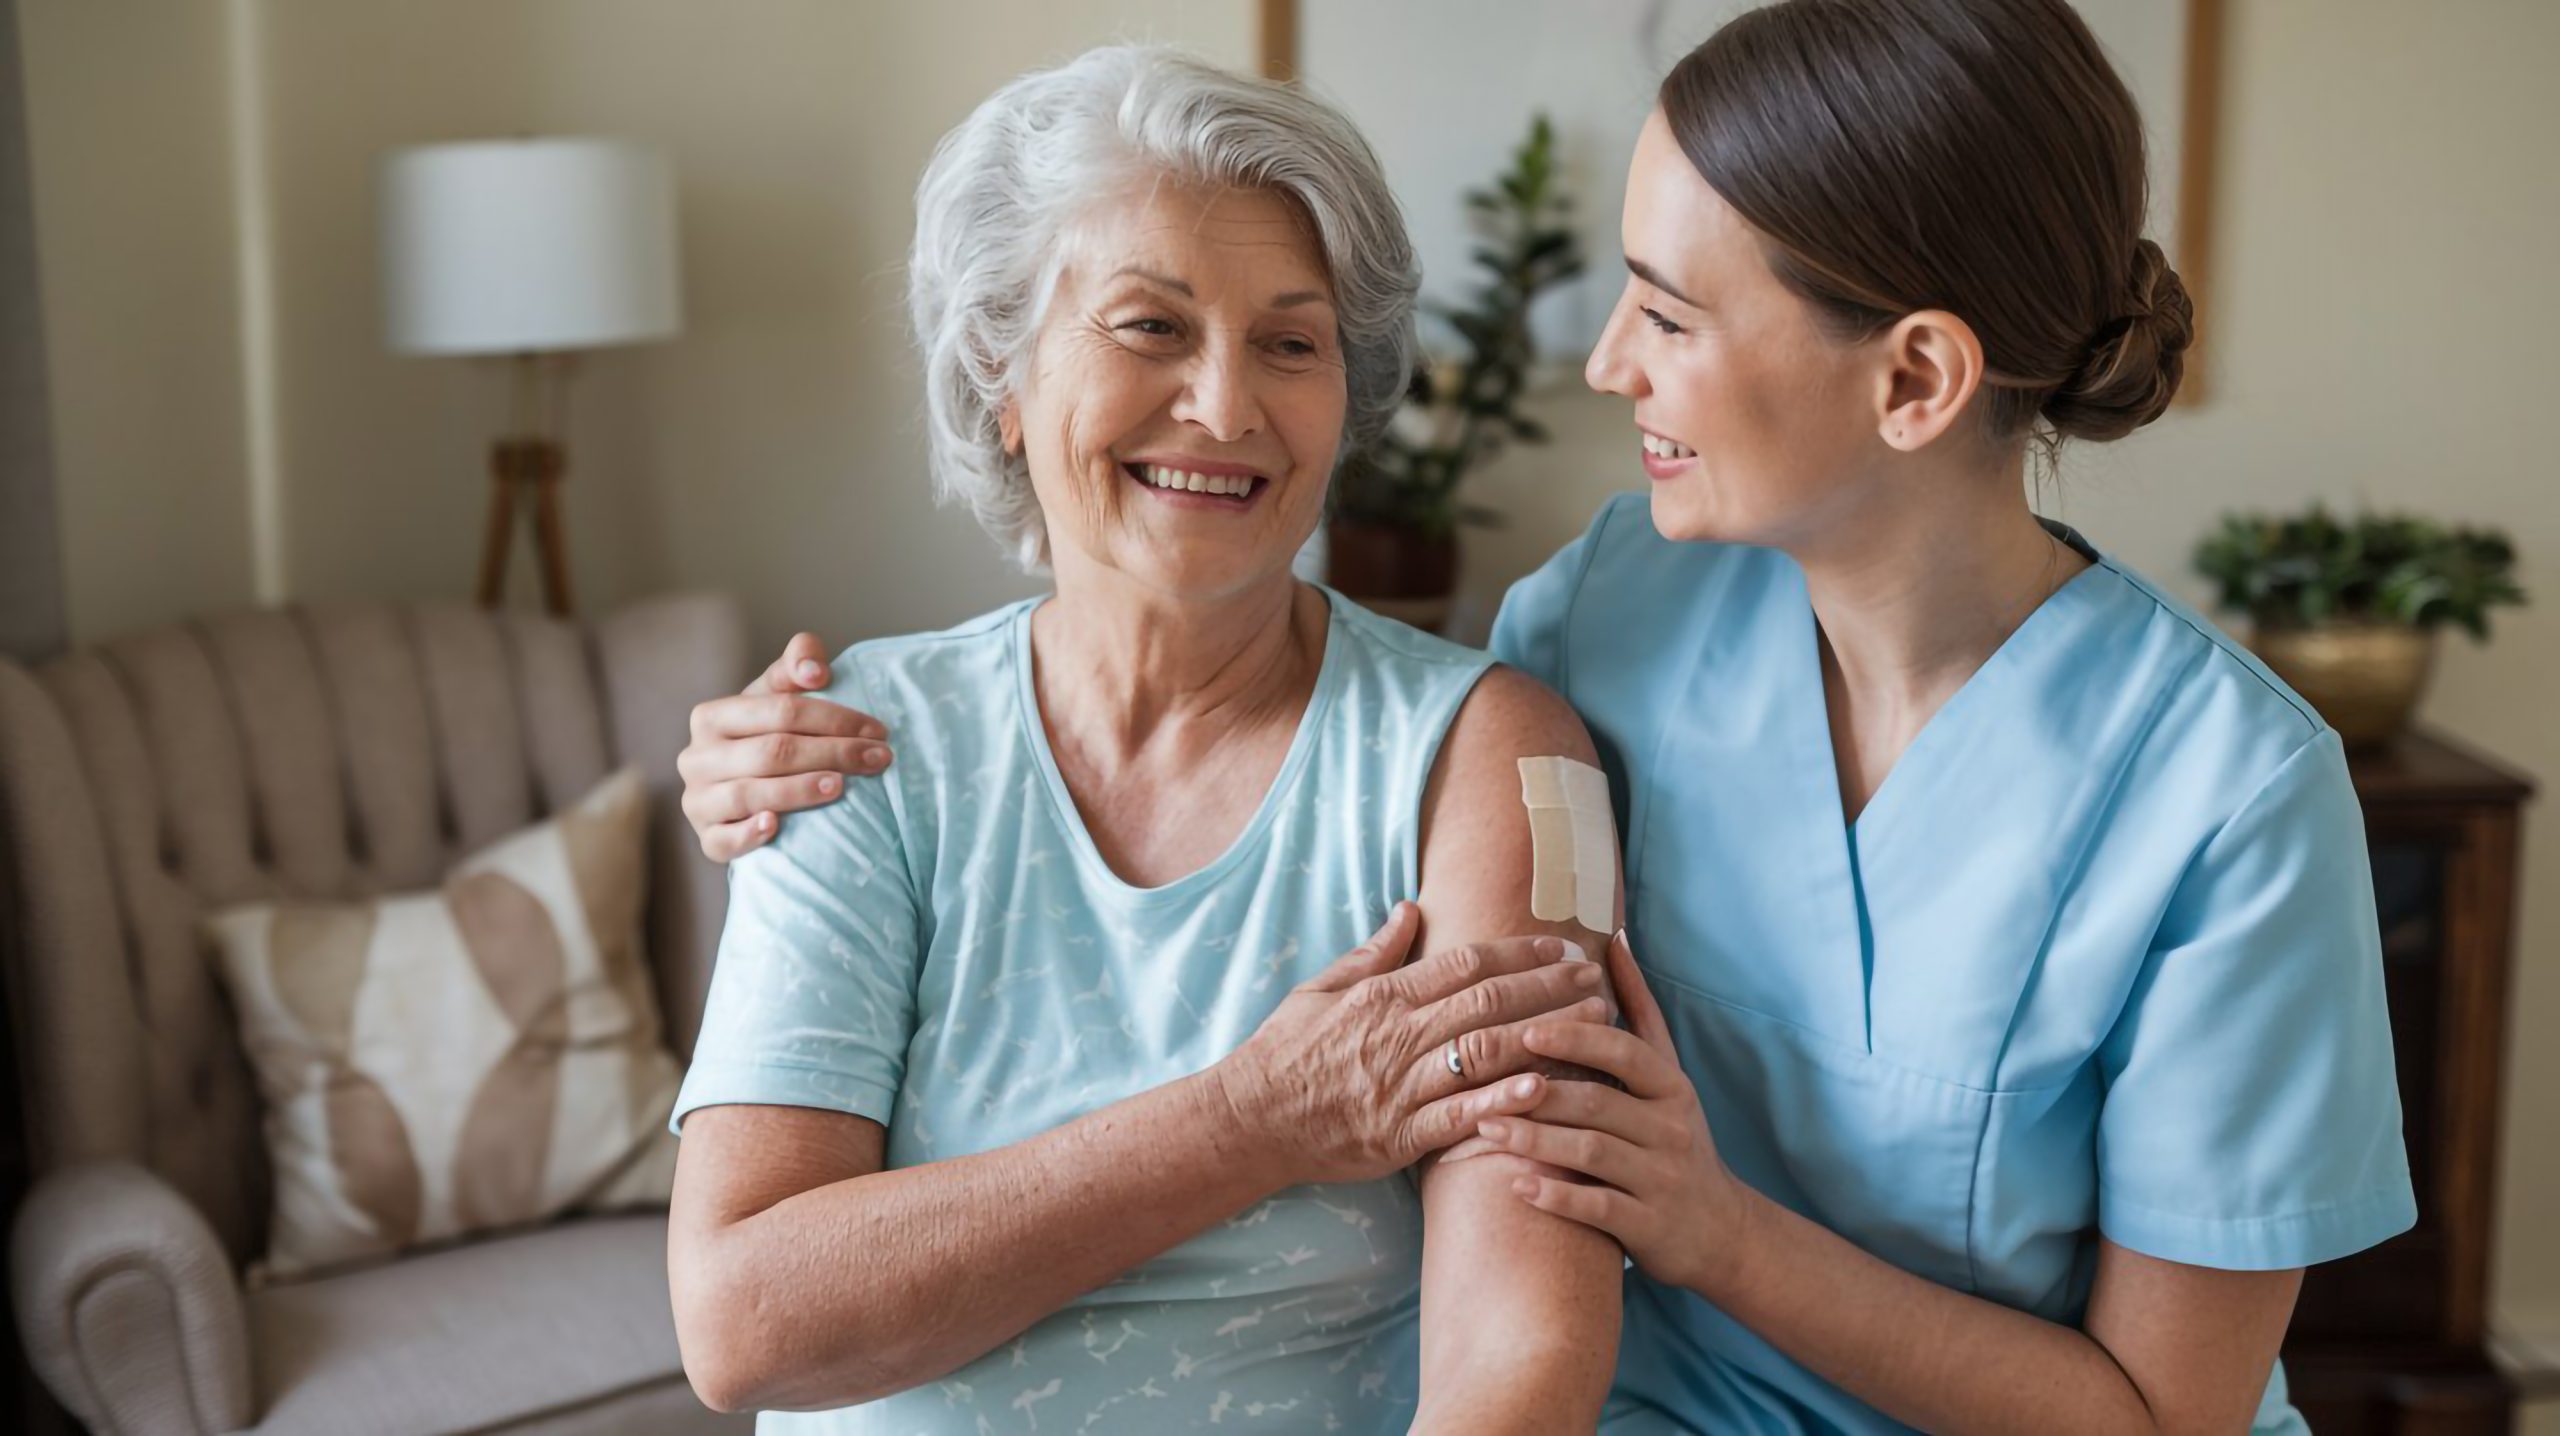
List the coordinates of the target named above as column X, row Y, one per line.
column 2130, row 370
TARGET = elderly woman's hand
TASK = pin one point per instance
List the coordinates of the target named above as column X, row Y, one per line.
column 766, row 751
column 1349, row 1078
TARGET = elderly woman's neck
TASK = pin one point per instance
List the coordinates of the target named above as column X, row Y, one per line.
column 1120, row 664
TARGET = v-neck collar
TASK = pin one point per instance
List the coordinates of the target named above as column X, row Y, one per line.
column 1743, row 876
column 1865, row 847
column 2023, row 641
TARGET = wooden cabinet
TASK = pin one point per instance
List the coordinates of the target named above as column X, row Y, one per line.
column 2392, row 1340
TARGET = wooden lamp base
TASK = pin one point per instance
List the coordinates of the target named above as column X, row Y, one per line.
column 530, row 467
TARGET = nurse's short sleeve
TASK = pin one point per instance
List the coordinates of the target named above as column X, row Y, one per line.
column 1528, row 631
column 812, row 998
column 2252, row 1117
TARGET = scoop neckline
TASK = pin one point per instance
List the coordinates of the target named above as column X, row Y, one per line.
column 1062, row 803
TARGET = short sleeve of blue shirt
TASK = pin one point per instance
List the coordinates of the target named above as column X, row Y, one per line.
column 1529, row 629
column 812, row 1000
column 2251, row 1117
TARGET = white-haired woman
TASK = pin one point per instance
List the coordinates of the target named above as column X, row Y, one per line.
column 1030, row 1092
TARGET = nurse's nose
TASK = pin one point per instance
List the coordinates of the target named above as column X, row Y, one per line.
column 1612, row 368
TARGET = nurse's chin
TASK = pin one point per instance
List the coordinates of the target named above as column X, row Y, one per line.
column 1684, row 514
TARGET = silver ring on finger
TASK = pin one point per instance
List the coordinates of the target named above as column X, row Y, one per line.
column 1457, row 1069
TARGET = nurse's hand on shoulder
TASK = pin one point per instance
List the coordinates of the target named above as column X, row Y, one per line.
column 1349, row 1078
column 768, row 750
column 1657, row 1183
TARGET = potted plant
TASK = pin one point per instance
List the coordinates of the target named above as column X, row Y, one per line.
column 2346, row 611
column 1393, row 539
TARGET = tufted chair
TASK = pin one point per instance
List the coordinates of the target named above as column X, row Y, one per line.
column 321, row 751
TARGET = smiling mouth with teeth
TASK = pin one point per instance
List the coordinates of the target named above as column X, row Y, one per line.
column 1239, row 488
column 1662, row 448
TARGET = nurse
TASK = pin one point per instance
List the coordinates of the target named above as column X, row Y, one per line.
column 2008, row 1031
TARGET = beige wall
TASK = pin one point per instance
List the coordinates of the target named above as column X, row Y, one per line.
column 128, row 133
column 2380, row 332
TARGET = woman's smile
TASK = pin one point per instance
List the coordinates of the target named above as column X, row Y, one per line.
column 1198, row 483
column 1666, row 458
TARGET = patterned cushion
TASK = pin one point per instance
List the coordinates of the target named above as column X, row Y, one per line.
column 481, row 1056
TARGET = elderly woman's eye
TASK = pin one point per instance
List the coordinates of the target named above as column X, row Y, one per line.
column 1297, row 348
column 1665, row 325
column 1160, row 328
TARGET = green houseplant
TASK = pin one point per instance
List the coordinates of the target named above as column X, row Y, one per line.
column 2346, row 610
column 1396, row 510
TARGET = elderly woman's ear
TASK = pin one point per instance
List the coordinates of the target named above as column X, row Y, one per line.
column 1009, row 426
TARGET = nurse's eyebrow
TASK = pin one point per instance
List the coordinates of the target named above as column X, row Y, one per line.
column 1650, row 275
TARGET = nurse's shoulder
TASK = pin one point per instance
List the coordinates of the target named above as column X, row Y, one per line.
column 2217, row 711
column 1622, row 595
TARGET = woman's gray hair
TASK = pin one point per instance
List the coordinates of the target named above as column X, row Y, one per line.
column 1001, row 190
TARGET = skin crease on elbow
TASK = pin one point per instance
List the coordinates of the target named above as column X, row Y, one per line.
column 1192, row 329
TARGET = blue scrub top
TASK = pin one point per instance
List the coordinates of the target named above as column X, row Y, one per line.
column 2099, row 957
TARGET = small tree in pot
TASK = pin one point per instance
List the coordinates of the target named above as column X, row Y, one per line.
column 1393, row 540
column 2345, row 612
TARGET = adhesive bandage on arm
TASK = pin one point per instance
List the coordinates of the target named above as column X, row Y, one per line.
column 1573, row 843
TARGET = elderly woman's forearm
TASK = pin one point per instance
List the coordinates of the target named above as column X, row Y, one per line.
column 1520, row 1309
column 1557, row 1383
column 877, row 1283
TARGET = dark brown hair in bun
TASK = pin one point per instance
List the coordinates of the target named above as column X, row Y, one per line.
column 1976, row 156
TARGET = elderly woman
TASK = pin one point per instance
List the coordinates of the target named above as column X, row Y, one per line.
column 1030, row 1093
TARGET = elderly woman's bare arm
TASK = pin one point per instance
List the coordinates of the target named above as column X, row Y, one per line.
column 804, row 1276
column 1520, row 1309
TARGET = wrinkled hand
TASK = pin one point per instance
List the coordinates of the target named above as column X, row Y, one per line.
column 1661, row 1188
column 767, row 750
column 1348, row 1078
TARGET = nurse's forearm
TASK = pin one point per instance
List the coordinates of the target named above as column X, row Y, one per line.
column 877, row 1283
column 1924, row 1354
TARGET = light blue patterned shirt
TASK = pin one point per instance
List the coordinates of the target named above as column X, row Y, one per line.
column 944, row 951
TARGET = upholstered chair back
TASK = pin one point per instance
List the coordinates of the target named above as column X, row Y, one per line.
column 323, row 751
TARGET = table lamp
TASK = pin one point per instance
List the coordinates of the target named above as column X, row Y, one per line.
column 532, row 249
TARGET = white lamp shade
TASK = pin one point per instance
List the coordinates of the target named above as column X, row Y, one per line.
column 506, row 246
